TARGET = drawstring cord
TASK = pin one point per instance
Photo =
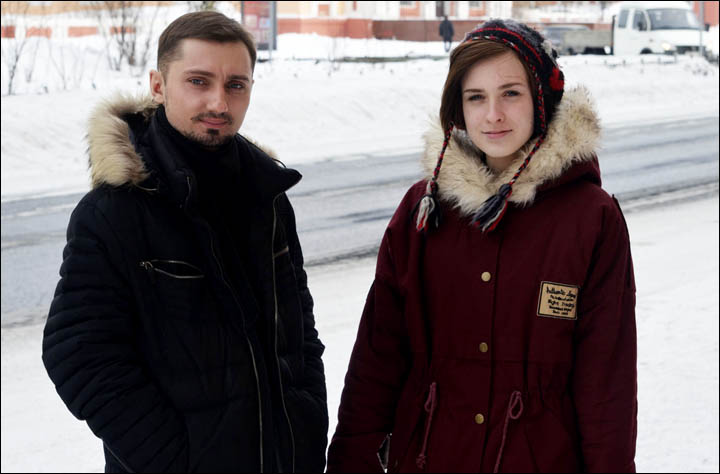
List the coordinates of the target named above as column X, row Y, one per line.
column 515, row 400
column 430, row 409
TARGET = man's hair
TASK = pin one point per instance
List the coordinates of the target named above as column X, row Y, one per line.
column 462, row 59
column 205, row 25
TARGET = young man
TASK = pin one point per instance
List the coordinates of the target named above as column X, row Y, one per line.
column 182, row 328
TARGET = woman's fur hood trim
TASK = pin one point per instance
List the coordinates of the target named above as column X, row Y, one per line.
column 466, row 182
column 112, row 155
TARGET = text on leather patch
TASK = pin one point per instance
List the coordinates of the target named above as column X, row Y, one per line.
column 558, row 300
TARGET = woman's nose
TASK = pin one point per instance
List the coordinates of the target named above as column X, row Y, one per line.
column 495, row 112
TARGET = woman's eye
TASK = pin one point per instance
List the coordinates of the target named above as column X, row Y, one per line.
column 476, row 97
column 512, row 93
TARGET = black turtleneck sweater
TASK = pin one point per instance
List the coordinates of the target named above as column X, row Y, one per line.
column 220, row 199
column 223, row 200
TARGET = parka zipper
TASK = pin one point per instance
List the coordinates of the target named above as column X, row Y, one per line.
column 148, row 265
column 277, row 358
column 247, row 338
column 124, row 466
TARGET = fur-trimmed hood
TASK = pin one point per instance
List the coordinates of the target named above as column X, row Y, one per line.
column 466, row 182
column 113, row 157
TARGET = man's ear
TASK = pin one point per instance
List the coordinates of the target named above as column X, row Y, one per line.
column 157, row 86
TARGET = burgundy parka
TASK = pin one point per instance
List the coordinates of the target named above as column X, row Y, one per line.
column 513, row 350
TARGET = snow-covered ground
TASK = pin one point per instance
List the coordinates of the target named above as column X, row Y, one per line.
column 310, row 110
column 675, row 252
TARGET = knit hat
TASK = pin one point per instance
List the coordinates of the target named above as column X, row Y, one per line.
column 539, row 56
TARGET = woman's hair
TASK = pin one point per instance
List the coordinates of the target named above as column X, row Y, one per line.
column 464, row 57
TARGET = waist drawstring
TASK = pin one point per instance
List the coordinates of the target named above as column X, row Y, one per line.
column 430, row 404
column 515, row 401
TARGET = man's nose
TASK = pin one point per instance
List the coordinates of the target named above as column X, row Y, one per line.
column 218, row 101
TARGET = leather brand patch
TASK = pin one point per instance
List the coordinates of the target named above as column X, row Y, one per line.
column 558, row 300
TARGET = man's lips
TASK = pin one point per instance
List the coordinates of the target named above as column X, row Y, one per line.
column 215, row 123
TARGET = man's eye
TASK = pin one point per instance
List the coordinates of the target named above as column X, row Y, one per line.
column 237, row 85
column 197, row 82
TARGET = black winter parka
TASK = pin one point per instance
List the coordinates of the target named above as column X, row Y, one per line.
column 175, row 365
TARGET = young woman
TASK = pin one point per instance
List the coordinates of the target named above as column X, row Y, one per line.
column 499, row 333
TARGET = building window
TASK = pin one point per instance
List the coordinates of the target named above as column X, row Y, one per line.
column 476, row 4
column 407, row 4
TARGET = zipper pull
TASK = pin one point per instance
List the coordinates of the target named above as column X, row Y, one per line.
column 150, row 269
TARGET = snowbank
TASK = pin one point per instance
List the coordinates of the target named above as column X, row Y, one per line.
column 318, row 110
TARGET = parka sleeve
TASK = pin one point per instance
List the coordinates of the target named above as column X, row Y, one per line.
column 312, row 457
column 605, row 374
column 378, row 368
column 88, row 351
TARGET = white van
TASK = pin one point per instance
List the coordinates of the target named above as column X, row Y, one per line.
column 656, row 27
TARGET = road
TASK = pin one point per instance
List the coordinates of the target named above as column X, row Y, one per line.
column 343, row 206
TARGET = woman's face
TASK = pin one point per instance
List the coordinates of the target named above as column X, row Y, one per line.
column 498, row 108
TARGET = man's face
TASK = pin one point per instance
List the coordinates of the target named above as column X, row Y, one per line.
column 206, row 92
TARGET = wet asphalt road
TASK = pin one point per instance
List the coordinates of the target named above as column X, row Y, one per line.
column 343, row 206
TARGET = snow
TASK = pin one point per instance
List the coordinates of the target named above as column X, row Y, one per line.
column 311, row 109
column 307, row 109
column 677, row 322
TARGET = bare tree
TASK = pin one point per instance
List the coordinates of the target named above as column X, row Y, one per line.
column 14, row 15
column 41, row 23
column 141, row 54
column 57, row 58
column 120, row 23
column 201, row 6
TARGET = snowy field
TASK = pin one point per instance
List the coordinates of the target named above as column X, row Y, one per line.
column 675, row 251
column 311, row 109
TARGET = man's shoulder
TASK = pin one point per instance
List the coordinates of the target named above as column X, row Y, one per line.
column 111, row 203
column 257, row 151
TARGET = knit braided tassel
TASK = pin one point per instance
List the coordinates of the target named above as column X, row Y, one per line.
column 427, row 208
column 492, row 210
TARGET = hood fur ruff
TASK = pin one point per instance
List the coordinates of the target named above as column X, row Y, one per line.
column 465, row 182
column 113, row 159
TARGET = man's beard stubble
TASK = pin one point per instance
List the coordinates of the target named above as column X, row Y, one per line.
column 211, row 138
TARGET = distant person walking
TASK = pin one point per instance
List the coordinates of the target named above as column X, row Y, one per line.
column 446, row 31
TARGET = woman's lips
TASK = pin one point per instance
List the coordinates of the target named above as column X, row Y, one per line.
column 495, row 135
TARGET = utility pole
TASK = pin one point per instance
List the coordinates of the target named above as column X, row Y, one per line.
column 701, row 48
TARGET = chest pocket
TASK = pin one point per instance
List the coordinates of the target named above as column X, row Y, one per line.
column 179, row 290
